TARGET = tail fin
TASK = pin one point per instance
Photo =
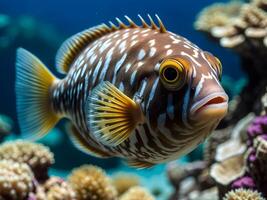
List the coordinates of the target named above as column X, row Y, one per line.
column 34, row 106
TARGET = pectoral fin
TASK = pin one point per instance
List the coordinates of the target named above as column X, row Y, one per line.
column 82, row 144
column 112, row 116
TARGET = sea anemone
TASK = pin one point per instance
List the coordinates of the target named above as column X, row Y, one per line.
column 91, row 183
column 37, row 156
column 243, row 194
column 16, row 180
column 123, row 182
column 137, row 193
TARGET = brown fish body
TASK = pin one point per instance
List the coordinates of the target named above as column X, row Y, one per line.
column 130, row 59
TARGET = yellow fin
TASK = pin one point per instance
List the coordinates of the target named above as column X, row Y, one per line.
column 140, row 164
column 34, row 107
column 112, row 116
column 82, row 144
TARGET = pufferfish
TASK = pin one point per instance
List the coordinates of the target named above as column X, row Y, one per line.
column 137, row 92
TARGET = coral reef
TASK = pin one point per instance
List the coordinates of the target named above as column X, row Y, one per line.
column 24, row 165
column 37, row 156
column 243, row 194
column 243, row 29
column 91, row 182
column 122, row 182
column 55, row 188
column 239, row 162
column 16, row 180
column 137, row 193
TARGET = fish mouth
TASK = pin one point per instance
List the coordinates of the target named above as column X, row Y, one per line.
column 212, row 106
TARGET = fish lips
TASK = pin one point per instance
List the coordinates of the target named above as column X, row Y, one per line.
column 211, row 107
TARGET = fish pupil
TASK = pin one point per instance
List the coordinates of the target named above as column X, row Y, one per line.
column 170, row 74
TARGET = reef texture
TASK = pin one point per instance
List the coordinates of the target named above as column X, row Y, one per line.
column 37, row 156
column 243, row 194
column 16, row 180
column 55, row 188
column 238, row 163
column 241, row 27
column 137, row 193
column 91, row 182
column 23, row 163
column 122, row 182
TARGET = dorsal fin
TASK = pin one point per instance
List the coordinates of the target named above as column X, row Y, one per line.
column 73, row 46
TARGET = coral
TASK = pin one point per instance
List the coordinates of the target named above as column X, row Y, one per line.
column 187, row 177
column 257, row 162
column 243, row 194
column 244, row 30
column 229, row 149
column 91, row 183
column 219, row 14
column 244, row 182
column 37, row 156
column 137, row 193
column 209, row 194
column 16, row 180
column 216, row 138
column 123, row 182
column 55, row 188
column 225, row 172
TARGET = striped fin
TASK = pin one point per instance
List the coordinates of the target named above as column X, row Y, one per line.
column 76, row 43
column 33, row 82
column 139, row 164
column 81, row 143
column 112, row 116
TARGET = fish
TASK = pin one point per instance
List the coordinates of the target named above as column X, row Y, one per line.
column 138, row 92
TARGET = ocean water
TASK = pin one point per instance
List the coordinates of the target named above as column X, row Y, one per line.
column 41, row 26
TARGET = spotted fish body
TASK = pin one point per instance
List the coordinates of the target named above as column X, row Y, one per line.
column 129, row 58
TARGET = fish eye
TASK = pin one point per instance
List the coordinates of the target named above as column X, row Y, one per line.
column 172, row 74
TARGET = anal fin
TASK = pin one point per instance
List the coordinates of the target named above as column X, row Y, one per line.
column 82, row 144
column 139, row 164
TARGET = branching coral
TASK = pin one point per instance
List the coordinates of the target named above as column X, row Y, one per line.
column 137, row 193
column 37, row 156
column 91, row 183
column 123, row 182
column 243, row 194
column 16, row 180
column 244, row 30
